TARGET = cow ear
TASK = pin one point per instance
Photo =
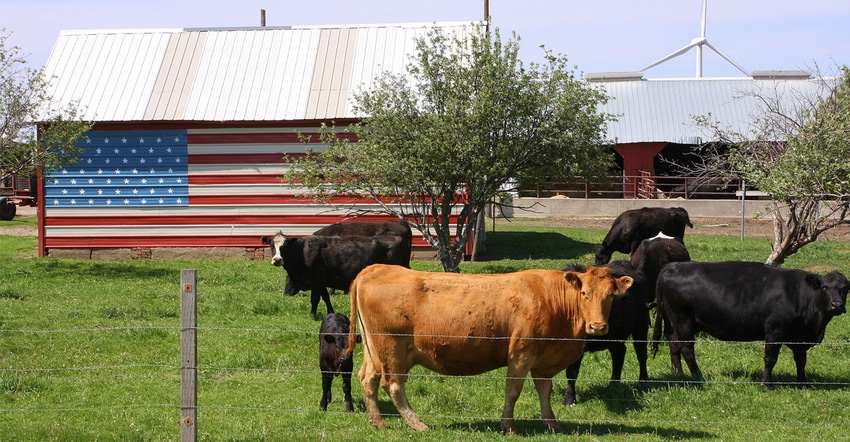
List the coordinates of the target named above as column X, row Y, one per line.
column 330, row 339
column 266, row 240
column 573, row 279
column 623, row 284
column 814, row 281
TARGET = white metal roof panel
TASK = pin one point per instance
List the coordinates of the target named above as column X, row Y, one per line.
column 665, row 109
column 247, row 74
column 109, row 73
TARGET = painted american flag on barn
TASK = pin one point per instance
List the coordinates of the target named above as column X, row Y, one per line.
column 183, row 188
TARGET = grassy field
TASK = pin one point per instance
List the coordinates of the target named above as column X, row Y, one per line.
column 89, row 350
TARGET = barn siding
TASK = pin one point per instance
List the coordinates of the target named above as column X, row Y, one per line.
column 235, row 196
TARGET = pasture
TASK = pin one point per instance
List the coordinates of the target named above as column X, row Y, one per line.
column 90, row 350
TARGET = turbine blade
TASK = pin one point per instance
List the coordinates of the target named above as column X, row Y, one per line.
column 702, row 18
column 727, row 58
column 673, row 55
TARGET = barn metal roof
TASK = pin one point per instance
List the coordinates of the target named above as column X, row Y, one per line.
column 664, row 110
column 311, row 72
column 244, row 74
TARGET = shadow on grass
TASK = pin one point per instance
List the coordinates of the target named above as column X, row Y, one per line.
column 534, row 245
column 619, row 397
column 789, row 380
column 132, row 270
column 536, row 428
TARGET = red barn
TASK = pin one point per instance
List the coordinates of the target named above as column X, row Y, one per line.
column 191, row 129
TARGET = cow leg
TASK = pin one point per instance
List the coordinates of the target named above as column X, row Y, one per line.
column 513, row 387
column 618, row 358
column 327, row 380
column 639, row 344
column 370, row 380
column 800, row 362
column 394, row 385
column 543, row 384
column 346, row 391
column 315, row 294
column 675, row 352
column 572, row 375
column 690, row 358
column 771, row 355
column 395, row 376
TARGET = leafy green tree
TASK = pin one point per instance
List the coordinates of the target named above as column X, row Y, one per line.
column 466, row 122
column 800, row 156
column 24, row 103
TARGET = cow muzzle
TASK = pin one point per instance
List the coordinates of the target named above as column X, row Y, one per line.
column 597, row 328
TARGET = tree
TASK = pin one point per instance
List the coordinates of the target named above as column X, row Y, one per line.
column 25, row 102
column 800, row 157
column 469, row 120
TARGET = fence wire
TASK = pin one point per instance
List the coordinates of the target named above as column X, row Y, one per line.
column 210, row 369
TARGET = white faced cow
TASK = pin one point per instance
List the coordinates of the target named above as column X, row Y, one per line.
column 319, row 262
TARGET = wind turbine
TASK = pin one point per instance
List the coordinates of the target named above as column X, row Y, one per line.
column 699, row 42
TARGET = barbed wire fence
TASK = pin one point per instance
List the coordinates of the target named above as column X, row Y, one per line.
column 189, row 369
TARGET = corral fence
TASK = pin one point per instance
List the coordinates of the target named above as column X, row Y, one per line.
column 189, row 371
column 643, row 186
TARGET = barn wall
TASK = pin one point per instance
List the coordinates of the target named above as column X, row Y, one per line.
column 148, row 190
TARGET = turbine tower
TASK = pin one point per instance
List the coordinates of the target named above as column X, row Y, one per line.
column 699, row 42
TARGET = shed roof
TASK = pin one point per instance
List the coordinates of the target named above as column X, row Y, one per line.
column 244, row 74
column 664, row 110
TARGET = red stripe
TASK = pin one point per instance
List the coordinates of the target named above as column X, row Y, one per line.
column 204, row 200
column 59, row 242
column 201, row 178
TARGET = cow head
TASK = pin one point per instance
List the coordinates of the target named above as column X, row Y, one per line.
column 597, row 290
column 603, row 254
column 275, row 242
column 835, row 286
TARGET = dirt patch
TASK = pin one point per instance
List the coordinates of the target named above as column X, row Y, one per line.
column 22, row 211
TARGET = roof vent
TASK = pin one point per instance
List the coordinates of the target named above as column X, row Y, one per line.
column 782, row 75
column 614, row 76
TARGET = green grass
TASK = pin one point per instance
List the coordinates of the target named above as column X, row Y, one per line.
column 89, row 350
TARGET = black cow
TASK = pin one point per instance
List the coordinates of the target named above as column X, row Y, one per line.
column 333, row 340
column 634, row 226
column 652, row 255
column 319, row 262
column 747, row 301
column 629, row 317
column 400, row 255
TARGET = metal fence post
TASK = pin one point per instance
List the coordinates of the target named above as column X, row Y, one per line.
column 188, row 355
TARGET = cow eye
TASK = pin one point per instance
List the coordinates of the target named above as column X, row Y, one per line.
column 584, row 295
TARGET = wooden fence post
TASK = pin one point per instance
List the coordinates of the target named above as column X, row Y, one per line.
column 189, row 355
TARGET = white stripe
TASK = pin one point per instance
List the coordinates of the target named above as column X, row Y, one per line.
column 224, row 169
column 247, row 189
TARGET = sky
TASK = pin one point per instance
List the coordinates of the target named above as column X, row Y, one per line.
column 595, row 35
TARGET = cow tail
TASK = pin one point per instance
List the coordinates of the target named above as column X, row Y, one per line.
column 352, row 329
column 659, row 320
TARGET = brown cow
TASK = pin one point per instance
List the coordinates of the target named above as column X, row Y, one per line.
column 454, row 324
